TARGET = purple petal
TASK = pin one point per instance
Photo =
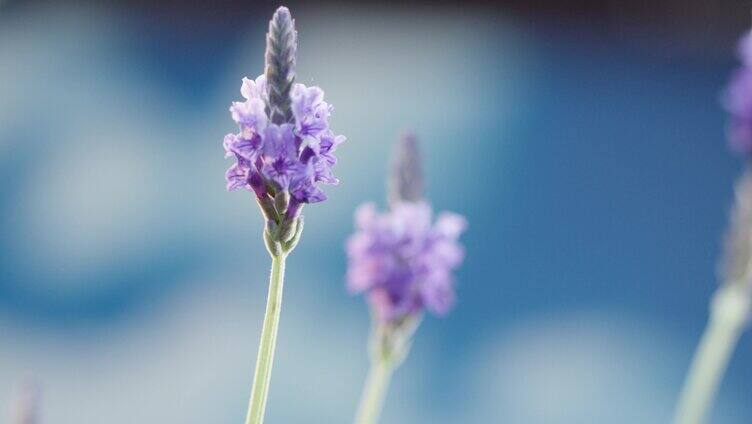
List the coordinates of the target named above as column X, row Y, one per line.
column 236, row 177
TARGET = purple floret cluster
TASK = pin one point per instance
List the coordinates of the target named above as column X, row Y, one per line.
column 292, row 157
column 737, row 100
column 403, row 261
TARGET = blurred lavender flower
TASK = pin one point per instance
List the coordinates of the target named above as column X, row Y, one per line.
column 731, row 304
column 399, row 258
column 403, row 262
column 737, row 100
column 283, row 149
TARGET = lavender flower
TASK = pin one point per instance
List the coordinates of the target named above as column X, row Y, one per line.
column 404, row 262
column 283, row 150
column 284, row 147
column 737, row 100
column 399, row 258
column 269, row 157
column 731, row 305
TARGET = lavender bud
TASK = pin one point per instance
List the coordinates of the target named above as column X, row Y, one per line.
column 406, row 176
column 267, row 208
column 737, row 258
column 270, row 239
column 281, row 200
column 281, row 45
column 391, row 341
column 290, row 244
column 286, row 230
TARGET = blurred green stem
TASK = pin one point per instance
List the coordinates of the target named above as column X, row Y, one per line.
column 261, row 377
column 374, row 391
column 728, row 317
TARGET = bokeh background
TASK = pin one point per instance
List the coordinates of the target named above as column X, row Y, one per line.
column 583, row 140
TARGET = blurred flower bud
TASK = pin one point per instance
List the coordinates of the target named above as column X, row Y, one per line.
column 406, row 176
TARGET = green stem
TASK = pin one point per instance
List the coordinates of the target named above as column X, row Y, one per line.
column 261, row 377
column 374, row 391
column 728, row 316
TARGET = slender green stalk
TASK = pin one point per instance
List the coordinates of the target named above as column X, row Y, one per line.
column 388, row 346
column 261, row 377
column 374, row 391
column 728, row 317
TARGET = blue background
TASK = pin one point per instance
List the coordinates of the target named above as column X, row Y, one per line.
column 592, row 169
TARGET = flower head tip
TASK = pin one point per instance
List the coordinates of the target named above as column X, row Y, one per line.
column 281, row 46
column 406, row 175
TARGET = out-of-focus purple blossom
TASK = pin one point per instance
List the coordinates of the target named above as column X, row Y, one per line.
column 403, row 261
column 737, row 100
